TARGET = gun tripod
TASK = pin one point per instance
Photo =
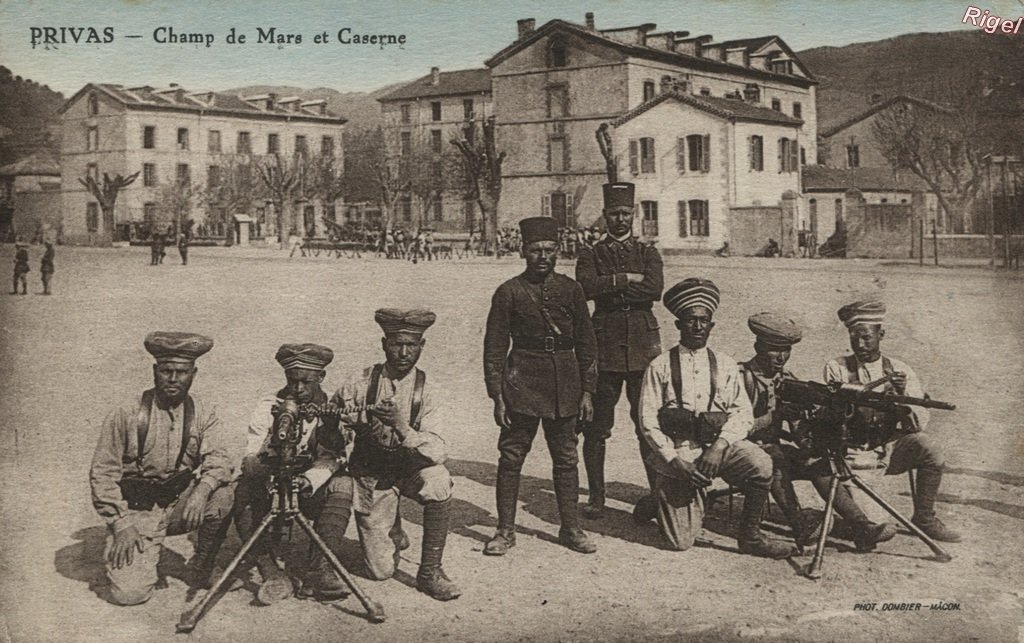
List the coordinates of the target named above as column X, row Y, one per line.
column 283, row 511
column 841, row 472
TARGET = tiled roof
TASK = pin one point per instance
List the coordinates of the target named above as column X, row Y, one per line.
column 877, row 107
column 750, row 44
column 868, row 179
column 728, row 108
column 462, row 81
column 180, row 99
column 37, row 164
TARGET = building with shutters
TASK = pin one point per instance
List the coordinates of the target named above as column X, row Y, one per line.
column 555, row 85
column 172, row 137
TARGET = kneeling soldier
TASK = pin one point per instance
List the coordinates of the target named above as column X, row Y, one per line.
column 695, row 415
column 303, row 366
column 776, row 336
column 161, row 469
column 397, row 452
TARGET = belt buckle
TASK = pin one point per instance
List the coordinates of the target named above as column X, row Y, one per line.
column 549, row 344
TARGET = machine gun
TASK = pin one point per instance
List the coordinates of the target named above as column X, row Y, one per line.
column 842, row 415
column 287, row 462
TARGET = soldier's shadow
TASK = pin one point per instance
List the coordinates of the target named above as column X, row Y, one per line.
column 82, row 561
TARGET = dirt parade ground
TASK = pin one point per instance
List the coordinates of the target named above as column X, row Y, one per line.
column 70, row 358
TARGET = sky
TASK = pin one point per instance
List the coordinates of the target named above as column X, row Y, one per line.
column 448, row 34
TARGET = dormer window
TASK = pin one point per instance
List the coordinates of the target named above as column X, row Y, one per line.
column 558, row 54
column 752, row 93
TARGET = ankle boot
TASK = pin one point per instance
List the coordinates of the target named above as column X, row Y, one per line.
column 431, row 579
column 927, row 489
column 750, row 538
column 323, row 583
column 209, row 538
column 866, row 534
column 593, row 460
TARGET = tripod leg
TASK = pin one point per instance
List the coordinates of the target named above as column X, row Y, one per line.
column 374, row 610
column 191, row 617
column 940, row 554
column 814, row 569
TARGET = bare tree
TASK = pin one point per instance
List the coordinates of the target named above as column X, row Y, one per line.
column 230, row 189
column 368, row 163
column 604, row 142
column 106, row 194
column 280, row 179
column 482, row 162
column 175, row 204
column 430, row 173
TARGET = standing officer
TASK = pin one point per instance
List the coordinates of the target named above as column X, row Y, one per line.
column 161, row 468
column 46, row 266
column 20, row 267
column 397, row 452
column 907, row 447
column 695, row 417
column 548, row 377
column 624, row 278
column 183, row 247
column 776, row 336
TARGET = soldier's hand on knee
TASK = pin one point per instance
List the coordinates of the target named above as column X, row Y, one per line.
column 192, row 515
column 710, row 461
column 126, row 543
column 687, row 472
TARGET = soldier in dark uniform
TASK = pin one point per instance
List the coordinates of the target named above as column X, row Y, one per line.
column 776, row 336
column 20, row 267
column 183, row 248
column 548, row 377
column 46, row 266
column 156, row 248
column 624, row 277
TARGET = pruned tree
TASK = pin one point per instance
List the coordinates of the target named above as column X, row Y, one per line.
column 429, row 174
column 280, row 179
column 106, row 194
column 232, row 188
column 604, row 142
column 175, row 205
column 482, row 163
column 368, row 164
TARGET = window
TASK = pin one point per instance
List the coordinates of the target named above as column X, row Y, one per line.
column 757, row 153
column 149, row 137
column 438, row 209
column 649, row 225
column 149, row 214
column 92, row 139
column 93, row 171
column 435, row 111
column 301, row 148
column 405, row 207
column 699, row 149
column 405, row 113
column 244, row 145
column 884, row 200
column 641, row 156
column 149, row 174
column 681, row 154
column 558, row 54
column 92, row 217
column 698, row 218
column 182, row 138
column 273, row 144
column 752, row 93
column 853, row 155
column 683, row 223
column 467, row 108
column 212, row 176
column 776, row 104
column 435, row 141
column 331, row 213
column 94, row 105
column 839, row 210
column 213, row 142
column 648, row 90
column 327, row 146
column 782, row 67
column 559, row 206
column 803, row 156
column 556, row 154
column 789, row 155
column 406, row 143
column 798, row 110
column 182, row 174
column 558, row 100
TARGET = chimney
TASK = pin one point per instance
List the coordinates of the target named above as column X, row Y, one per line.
column 666, row 84
column 526, row 26
column 435, row 75
column 590, row 20
column 271, row 100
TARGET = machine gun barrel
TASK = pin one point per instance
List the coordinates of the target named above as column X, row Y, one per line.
column 807, row 394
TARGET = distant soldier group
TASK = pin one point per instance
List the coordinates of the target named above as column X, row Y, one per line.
column 21, row 267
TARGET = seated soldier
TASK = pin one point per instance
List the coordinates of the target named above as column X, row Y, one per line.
column 776, row 336
column 695, row 416
column 397, row 452
column 303, row 366
column 160, row 469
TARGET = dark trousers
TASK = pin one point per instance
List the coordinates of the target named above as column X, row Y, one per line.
column 609, row 390
column 514, row 444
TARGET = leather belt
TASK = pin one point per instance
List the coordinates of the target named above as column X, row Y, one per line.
column 549, row 344
column 614, row 308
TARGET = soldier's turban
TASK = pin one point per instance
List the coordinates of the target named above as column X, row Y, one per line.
column 774, row 331
column 394, row 320
column 311, row 356
column 693, row 291
column 172, row 346
column 869, row 311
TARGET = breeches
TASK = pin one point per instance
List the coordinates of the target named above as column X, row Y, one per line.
column 914, row 451
column 609, row 389
column 560, row 433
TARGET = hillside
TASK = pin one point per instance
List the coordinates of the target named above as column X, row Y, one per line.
column 922, row 64
column 360, row 108
column 27, row 116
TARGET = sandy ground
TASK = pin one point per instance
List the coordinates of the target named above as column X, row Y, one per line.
column 68, row 358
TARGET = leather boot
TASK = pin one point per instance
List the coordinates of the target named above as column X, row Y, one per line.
column 209, row 538
column 750, row 538
column 507, row 497
column 927, row 489
column 323, row 583
column 593, row 461
column 431, row 579
column 567, row 494
column 805, row 531
column 866, row 534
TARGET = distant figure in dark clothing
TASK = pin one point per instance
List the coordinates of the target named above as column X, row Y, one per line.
column 20, row 267
column 156, row 248
column 770, row 249
column 183, row 248
column 723, row 251
column 46, row 267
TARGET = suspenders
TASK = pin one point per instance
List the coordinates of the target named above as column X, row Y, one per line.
column 853, row 370
column 677, row 375
column 417, row 393
column 142, row 426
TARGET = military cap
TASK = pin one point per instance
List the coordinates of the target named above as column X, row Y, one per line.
column 868, row 311
column 538, row 229
column 172, row 346
column 311, row 356
column 394, row 320
column 617, row 195
column 774, row 331
column 693, row 291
